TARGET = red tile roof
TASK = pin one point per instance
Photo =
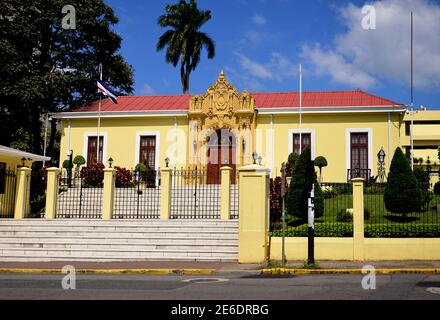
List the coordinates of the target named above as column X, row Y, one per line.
column 356, row 98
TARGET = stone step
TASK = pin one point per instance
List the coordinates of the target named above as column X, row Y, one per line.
column 220, row 247
column 127, row 222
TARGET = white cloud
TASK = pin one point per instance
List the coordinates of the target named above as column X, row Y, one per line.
column 254, row 68
column 253, row 73
column 334, row 64
column 259, row 19
column 364, row 57
column 147, row 90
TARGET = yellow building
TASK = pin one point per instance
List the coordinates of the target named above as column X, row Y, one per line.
column 225, row 127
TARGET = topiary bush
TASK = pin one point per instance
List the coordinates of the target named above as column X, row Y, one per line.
column 320, row 162
column 318, row 201
column 79, row 160
column 290, row 164
column 300, row 186
column 437, row 188
column 93, row 175
column 140, row 167
column 402, row 193
column 66, row 164
column 425, row 194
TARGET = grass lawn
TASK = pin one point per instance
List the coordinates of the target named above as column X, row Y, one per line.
column 378, row 214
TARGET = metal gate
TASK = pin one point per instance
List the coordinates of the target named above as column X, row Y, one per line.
column 191, row 195
column 138, row 197
column 7, row 192
column 79, row 199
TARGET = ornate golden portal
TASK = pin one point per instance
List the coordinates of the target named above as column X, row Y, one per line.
column 221, row 109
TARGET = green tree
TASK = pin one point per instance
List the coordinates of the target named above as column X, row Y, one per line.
column 184, row 41
column 402, row 193
column 46, row 68
column 300, row 186
column 422, row 178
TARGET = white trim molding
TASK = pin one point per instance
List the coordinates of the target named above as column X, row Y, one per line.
column 302, row 131
column 120, row 114
column 348, row 133
column 140, row 134
column 103, row 135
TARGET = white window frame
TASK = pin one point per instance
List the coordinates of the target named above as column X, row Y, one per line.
column 312, row 133
column 102, row 135
column 140, row 134
column 349, row 131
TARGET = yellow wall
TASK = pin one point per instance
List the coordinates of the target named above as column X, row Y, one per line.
column 373, row 248
column 121, row 138
column 330, row 132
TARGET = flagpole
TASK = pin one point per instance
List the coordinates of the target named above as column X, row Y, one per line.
column 300, row 109
column 99, row 117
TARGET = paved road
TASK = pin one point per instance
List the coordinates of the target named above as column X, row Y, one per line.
column 232, row 286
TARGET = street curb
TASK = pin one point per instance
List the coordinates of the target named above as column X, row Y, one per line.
column 114, row 271
column 282, row 271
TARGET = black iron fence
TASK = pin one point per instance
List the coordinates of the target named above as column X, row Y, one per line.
column 195, row 194
column 138, row 196
column 80, row 197
column 333, row 203
column 383, row 223
column 8, row 180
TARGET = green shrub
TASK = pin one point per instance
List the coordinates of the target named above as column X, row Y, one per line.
column 93, row 175
column 79, row 160
column 402, row 193
column 140, row 167
column 320, row 162
column 321, row 230
column 425, row 195
column 318, row 201
column 290, row 164
column 402, row 230
column 66, row 164
column 395, row 230
column 437, row 188
column 300, row 186
column 346, row 216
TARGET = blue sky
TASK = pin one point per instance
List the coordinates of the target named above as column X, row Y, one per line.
column 260, row 44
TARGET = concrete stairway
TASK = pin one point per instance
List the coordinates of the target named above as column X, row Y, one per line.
column 116, row 240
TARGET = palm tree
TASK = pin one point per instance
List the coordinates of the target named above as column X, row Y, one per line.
column 184, row 41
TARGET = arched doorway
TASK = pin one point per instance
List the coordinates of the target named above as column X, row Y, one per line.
column 221, row 152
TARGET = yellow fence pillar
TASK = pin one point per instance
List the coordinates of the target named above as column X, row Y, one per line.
column 225, row 207
column 22, row 193
column 108, row 193
column 165, row 194
column 51, row 193
column 358, row 219
column 253, row 214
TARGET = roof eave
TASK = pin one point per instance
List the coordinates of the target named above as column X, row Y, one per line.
column 350, row 109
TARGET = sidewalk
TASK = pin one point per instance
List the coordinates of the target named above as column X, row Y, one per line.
column 209, row 268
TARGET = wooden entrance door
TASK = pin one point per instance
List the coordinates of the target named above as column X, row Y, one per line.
column 221, row 153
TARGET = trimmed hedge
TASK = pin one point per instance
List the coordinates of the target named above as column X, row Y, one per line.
column 343, row 230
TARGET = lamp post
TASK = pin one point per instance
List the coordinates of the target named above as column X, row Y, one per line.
column 69, row 170
column 255, row 157
column 167, row 161
column 110, row 162
column 381, row 162
column 23, row 162
column 260, row 159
